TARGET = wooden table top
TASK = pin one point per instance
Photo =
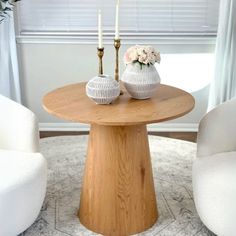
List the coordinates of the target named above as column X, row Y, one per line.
column 71, row 103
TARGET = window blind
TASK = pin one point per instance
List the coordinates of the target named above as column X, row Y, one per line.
column 137, row 17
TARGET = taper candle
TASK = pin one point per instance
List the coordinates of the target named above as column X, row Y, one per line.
column 117, row 21
column 99, row 29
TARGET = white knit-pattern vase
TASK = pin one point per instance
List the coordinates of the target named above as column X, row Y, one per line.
column 140, row 81
column 102, row 89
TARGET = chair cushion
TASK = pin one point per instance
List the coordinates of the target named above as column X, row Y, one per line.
column 214, row 188
column 23, row 178
column 17, row 168
column 217, row 167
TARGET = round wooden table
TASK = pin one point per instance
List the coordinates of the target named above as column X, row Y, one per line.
column 118, row 196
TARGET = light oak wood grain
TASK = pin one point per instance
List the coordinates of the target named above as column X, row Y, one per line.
column 118, row 196
column 71, row 103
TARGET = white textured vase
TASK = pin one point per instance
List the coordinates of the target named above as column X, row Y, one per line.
column 140, row 82
column 102, row 89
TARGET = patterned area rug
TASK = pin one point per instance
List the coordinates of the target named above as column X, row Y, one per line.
column 171, row 161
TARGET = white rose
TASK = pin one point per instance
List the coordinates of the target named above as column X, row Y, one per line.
column 133, row 55
column 140, row 51
column 149, row 49
column 142, row 58
column 157, row 57
column 151, row 58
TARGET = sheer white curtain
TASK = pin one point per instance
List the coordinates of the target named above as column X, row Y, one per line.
column 223, row 86
column 9, row 73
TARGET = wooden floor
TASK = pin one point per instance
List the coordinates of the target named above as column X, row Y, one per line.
column 188, row 136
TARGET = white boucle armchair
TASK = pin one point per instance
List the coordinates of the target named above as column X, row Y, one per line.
column 23, row 171
column 214, row 170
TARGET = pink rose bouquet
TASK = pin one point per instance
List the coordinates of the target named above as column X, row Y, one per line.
column 144, row 55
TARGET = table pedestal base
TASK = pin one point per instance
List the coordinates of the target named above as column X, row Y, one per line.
column 118, row 196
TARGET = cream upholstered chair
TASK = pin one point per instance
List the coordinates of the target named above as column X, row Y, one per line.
column 214, row 170
column 23, row 173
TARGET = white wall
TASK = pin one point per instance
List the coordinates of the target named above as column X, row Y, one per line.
column 45, row 66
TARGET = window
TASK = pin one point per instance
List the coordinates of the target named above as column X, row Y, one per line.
column 137, row 17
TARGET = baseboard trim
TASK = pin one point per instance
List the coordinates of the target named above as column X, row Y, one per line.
column 173, row 127
column 161, row 127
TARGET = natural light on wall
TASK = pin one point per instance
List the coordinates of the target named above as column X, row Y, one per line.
column 191, row 72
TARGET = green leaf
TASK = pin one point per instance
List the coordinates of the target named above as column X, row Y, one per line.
column 6, row 6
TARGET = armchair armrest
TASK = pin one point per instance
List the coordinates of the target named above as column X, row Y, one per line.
column 217, row 130
column 18, row 127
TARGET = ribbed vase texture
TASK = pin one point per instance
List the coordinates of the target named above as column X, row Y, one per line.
column 102, row 89
column 140, row 82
